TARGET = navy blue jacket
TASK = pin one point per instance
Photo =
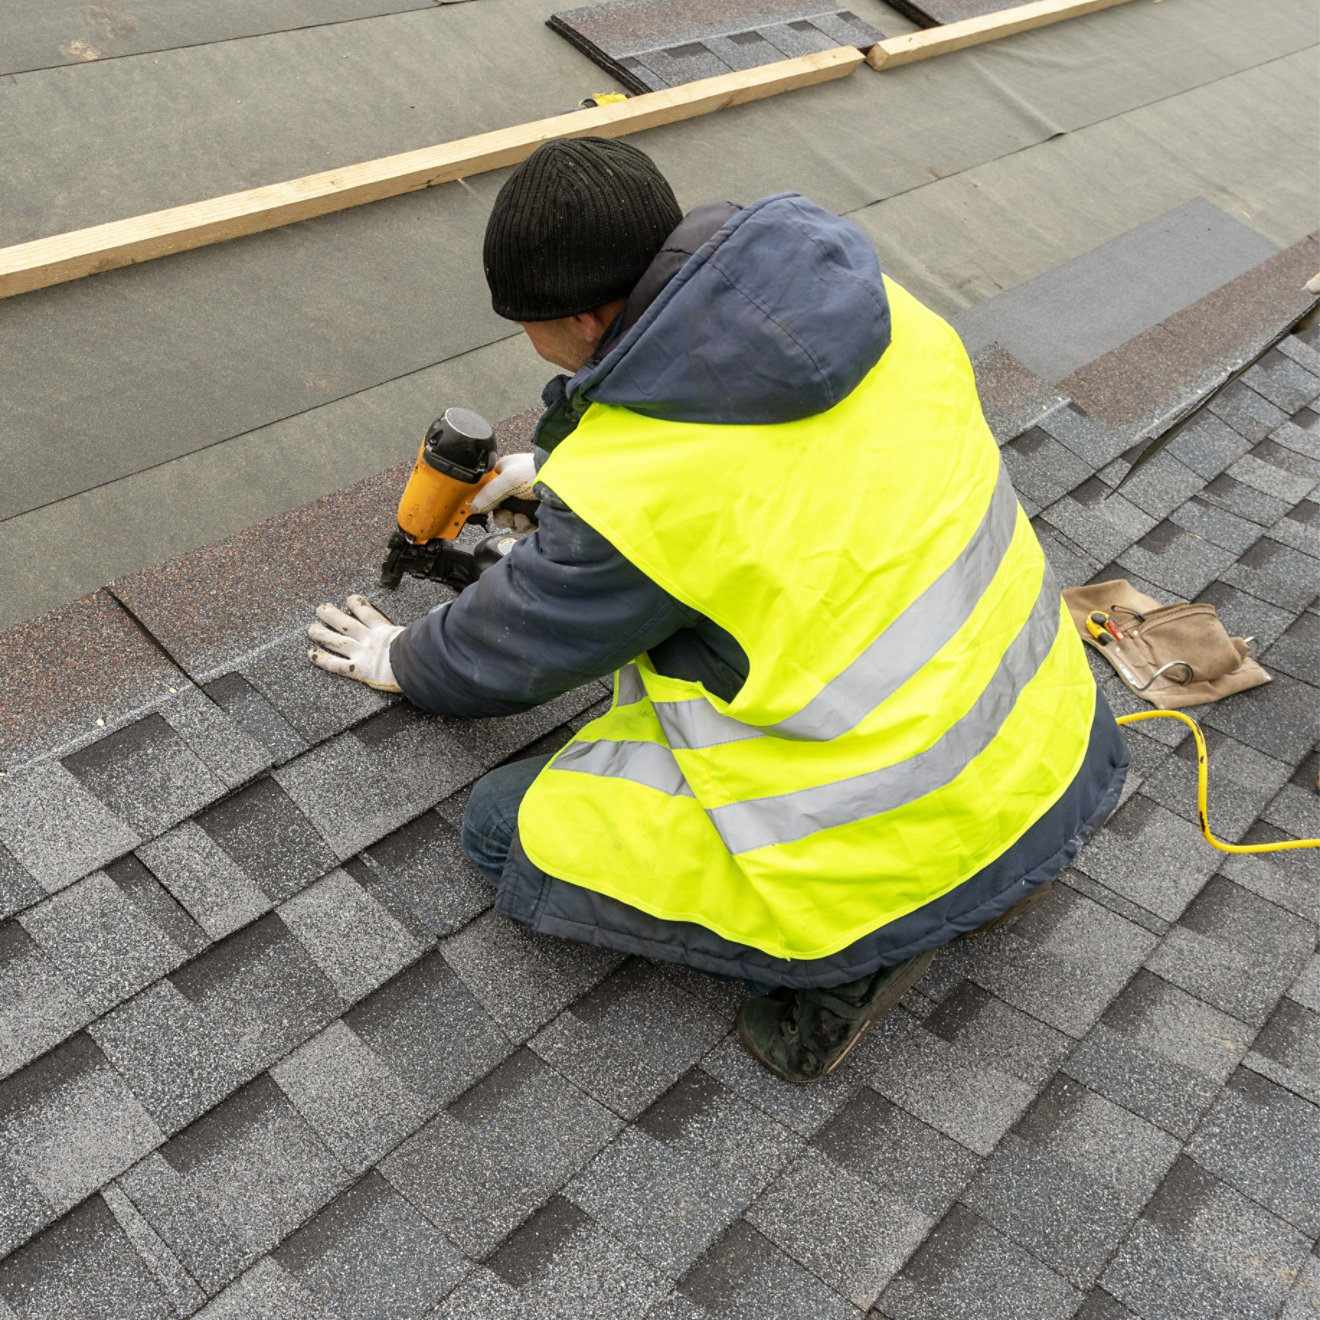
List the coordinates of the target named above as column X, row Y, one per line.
column 753, row 315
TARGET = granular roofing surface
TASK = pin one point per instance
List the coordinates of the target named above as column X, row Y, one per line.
column 268, row 1052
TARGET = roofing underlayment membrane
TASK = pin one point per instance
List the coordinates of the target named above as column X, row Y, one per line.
column 265, row 1049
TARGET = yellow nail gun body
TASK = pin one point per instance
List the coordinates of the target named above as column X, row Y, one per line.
column 455, row 460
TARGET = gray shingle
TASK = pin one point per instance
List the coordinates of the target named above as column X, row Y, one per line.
column 1296, row 809
column 1160, row 485
column 247, row 708
column 69, row 1124
column 1306, row 988
column 1284, row 381
column 1042, row 469
column 484, row 1163
column 151, row 898
column 1216, row 525
column 1299, row 433
column 878, row 1141
column 1097, row 892
column 354, row 941
column 489, row 741
column 744, row 1276
column 264, row 1291
column 966, row 1269
column 699, row 1136
column 354, row 1103
column 146, row 775
column 233, row 1184
column 520, row 978
column 1287, row 1050
column 226, row 748
column 370, row 1256
column 1208, row 445
column 188, row 1040
column 997, row 1034
column 561, row 1266
column 942, row 1083
column 17, row 888
column 38, row 1007
column 421, row 874
column 365, row 784
column 1061, row 962
column 1092, row 441
column 1276, row 480
column 170, row 1276
column 55, row 828
column 83, row 1268
column 709, row 1124
column 1235, row 951
column 1101, row 523
column 804, row 1109
column 657, row 1201
column 1287, row 879
column 1281, row 719
column 268, row 839
column 1300, row 352
column 22, row 1210
column 1180, row 562
column 1248, row 413
column 1071, row 564
column 1241, row 782
column 849, row 1232
column 1150, row 856
column 1265, row 1141
column 1202, row 1251
column 205, row 880
column 1227, row 492
column 430, row 1031
column 315, row 704
column 1068, row 1181
column 1160, row 1053
column 631, row 1038
column 1300, row 528
column 106, row 946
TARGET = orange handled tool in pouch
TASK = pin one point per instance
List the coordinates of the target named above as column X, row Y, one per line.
column 455, row 460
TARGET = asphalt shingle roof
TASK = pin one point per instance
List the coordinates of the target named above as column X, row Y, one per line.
column 267, row 1051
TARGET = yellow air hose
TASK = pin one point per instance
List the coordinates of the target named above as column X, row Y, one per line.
column 1201, row 778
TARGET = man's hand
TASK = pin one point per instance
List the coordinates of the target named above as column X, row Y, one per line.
column 360, row 642
column 515, row 479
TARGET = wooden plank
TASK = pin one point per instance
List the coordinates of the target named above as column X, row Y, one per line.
column 893, row 51
column 47, row 261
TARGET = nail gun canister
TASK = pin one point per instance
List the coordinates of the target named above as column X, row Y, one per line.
column 456, row 458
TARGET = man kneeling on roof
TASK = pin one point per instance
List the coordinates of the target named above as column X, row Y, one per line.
column 852, row 719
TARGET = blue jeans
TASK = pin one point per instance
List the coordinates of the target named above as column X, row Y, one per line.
column 491, row 818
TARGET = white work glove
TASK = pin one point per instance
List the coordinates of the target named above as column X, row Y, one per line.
column 360, row 642
column 515, row 479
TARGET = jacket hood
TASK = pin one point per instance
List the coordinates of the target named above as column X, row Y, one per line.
column 777, row 316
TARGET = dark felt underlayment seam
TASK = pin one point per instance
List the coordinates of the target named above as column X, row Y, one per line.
column 264, row 1042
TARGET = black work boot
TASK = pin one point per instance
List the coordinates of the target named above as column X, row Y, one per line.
column 800, row 1035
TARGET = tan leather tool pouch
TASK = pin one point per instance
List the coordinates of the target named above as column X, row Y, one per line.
column 1200, row 661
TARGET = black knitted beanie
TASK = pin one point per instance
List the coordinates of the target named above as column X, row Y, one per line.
column 575, row 227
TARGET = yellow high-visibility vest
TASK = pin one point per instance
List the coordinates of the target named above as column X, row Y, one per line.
column 916, row 696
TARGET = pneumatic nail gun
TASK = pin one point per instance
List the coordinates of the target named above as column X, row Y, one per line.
column 456, row 459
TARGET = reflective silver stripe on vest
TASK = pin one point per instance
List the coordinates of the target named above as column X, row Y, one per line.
column 790, row 816
column 628, row 686
column 696, row 723
column 787, row 817
column 644, row 763
column 915, row 638
column 918, row 635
